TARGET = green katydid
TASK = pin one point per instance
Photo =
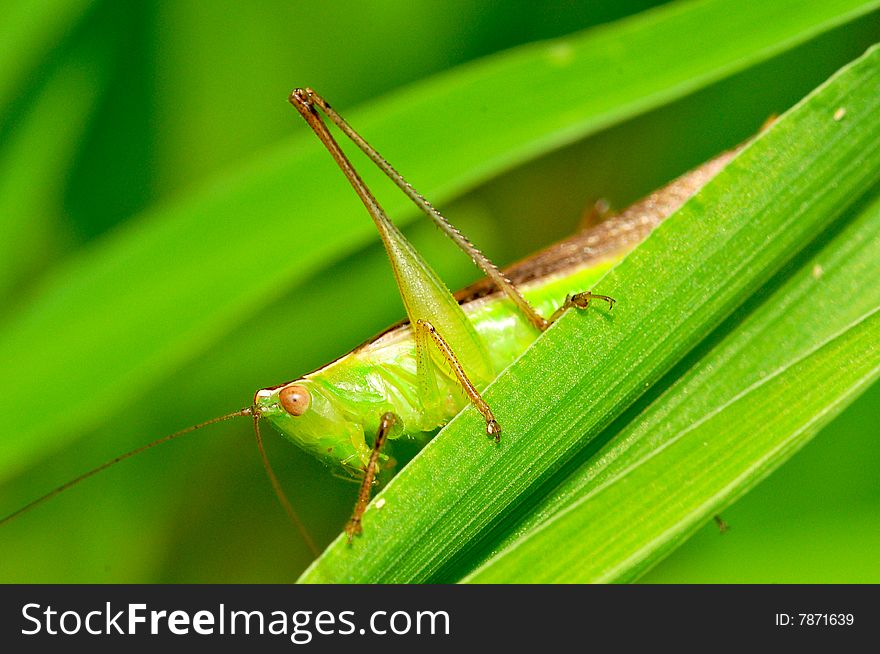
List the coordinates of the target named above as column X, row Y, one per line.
column 416, row 376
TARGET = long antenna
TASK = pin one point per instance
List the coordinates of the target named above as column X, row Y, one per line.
column 276, row 485
column 279, row 492
column 121, row 457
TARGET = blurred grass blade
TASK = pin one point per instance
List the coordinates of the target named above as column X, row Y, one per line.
column 826, row 295
column 34, row 160
column 673, row 290
column 28, row 32
column 619, row 529
column 111, row 322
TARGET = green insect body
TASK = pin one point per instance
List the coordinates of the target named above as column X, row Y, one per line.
column 414, row 378
column 349, row 395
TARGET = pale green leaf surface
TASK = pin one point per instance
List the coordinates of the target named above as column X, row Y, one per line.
column 614, row 532
column 164, row 287
column 673, row 290
column 825, row 295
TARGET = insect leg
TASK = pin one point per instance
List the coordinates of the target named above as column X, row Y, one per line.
column 423, row 293
column 492, row 426
column 580, row 301
column 480, row 260
column 353, row 528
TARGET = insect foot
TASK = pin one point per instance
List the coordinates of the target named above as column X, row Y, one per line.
column 494, row 430
column 582, row 300
column 579, row 301
column 353, row 528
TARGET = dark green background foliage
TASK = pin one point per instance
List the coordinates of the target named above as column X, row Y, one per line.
column 117, row 117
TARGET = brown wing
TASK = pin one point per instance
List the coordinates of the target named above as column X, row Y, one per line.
column 610, row 237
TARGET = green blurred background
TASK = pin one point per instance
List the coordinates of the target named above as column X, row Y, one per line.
column 108, row 108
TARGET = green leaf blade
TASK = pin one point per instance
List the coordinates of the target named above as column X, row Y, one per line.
column 716, row 460
column 824, row 296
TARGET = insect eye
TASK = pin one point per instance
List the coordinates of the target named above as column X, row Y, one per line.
column 295, row 399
